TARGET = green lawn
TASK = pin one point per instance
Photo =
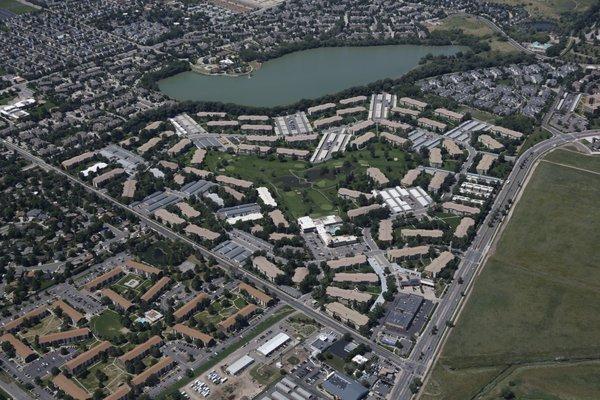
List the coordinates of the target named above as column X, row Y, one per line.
column 15, row 7
column 538, row 297
column 304, row 189
column 107, row 325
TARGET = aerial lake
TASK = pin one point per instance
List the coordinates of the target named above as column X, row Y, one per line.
column 305, row 74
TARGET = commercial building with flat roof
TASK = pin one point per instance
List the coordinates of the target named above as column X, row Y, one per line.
column 344, row 388
column 273, row 344
column 239, row 365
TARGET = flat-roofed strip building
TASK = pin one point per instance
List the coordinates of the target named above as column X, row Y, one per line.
column 168, row 217
column 430, row 233
column 385, row 230
column 278, row 218
column 490, row 142
column 122, row 393
column 363, row 139
column 463, row 227
column 348, row 295
column 202, row 233
column 191, row 306
column 451, row 115
column 256, row 127
column 227, row 180
column 104, row 279
column 357, row 259
column 505, row 132
column 328, row 121
column 155, row 290
column 179, row 147
column 222, row 124
column 194, row 334
column 406, row 112
column 129, row 187
column 360, row 126
column 164, row 365
column 412, row 103
column 73, row 161
column 265, row 266
column 211, row 114
column 24, row 352
column 439, row 263
column 410, row 177
column 151, row 143
column 299, row 274
column 320, row 108
column 485, row 163
column 282, row 151
column 187, row 210
column 258, row 295
column 65, row 337
column 107, row 176
column 141, row 350
column 350, row 111
column 69, row 311
column 435, row 157
column 435, row 184
column 141, row 268
column 32, row 316
column 407, row 252
column 198, row 156
column 227, row 324
column 87, row 358
column 431, row 124
column 120, row 302
column 353, row 100
column 394, row 140
column 377, row 176
column 346, row 314
column 356, row 277
column 394, row 125
column 352, row 194
column 70, row 388
column 451, row 147
column 262, row 118
column 460, row 209
column 301, row 138
column 360, row 211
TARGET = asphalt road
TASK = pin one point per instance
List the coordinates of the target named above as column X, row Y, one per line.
column 428, row 345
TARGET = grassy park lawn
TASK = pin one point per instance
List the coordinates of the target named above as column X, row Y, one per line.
column 115, row 376
column 107, row 325
column 472, row 26
column 265, row 374
column 15, row 7
column 537, row 298
column 131, row 293
column 304, row 189
column 47, row 325
column 221, row 311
